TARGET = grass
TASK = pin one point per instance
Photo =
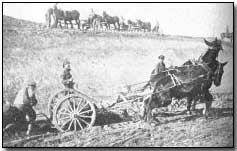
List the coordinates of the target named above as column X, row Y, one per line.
column 101, row 63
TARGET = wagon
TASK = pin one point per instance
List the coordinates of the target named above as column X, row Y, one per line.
column 72, row 110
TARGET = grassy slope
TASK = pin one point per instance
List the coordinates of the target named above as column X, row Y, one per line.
column 101, row 63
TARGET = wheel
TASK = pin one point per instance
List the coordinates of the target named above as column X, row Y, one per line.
column 56, row 97
column 74, row 112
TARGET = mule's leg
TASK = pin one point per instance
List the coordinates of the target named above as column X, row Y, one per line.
column 118, row 25
column 65, row 22
column 193, row 106
column 107, row 27
column 56, row 23
column 71, row 24
column 78, row 24
column 30, row 118
column 208, row 102
column 144, row 116
column 189, row 102
column 60, row 24
column 149, row 110
column 115, row 27
column 10, row 129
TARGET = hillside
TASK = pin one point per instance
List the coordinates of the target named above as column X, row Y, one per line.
column 101, row 64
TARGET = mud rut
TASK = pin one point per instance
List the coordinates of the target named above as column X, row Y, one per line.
column 124, row 117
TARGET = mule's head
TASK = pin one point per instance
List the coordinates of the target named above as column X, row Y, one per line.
column 218, row 73
column 215, row 45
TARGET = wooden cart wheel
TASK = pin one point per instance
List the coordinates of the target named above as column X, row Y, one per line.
column 56, row 97
column 74, row 112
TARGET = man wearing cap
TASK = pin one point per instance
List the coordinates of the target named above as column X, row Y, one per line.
column 24, row 102
column 66, row 76
column 160, row 66
column 91, row 16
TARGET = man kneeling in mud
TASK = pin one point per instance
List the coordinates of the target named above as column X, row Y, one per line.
column 24, row 102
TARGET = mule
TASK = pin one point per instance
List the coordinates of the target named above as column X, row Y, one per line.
column 13, row 120
column 131, row 25
column 193, row 82
column 48, row 15
column 95, row 22
column 187, row 81
column 145, row 26
column 111, row 20
column 66, row 16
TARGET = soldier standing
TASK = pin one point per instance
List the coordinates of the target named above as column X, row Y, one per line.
column 24, row 102
column 66, row 76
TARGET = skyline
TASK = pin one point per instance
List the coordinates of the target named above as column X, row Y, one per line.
column 187, row 19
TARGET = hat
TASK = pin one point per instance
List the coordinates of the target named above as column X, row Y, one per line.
column 65, row 63
column 161, row 57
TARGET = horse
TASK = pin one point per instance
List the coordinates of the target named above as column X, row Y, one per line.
column 66, row 16
column 13, row 119
column 95, row 22
column 131, row 25
column 98, row 22
column 72, row 15
column 111, row 20
column 145, row 26
column 48, row 15
column 187, row 81
column 155, row 29
column 124, row 26
column 84, row 24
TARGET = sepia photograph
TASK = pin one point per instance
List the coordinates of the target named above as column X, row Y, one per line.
column 117, row 74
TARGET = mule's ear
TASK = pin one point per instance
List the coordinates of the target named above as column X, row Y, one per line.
column 208, row 43
column 223, row 64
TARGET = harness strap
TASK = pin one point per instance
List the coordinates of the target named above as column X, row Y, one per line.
column 174, row 79
column 205, row 66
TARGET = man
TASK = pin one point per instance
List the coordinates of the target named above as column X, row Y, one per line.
column 67, row 79
column 92, row 13
column 24, row 102
column 55, row 7
column 91, row 17
column 160, row 67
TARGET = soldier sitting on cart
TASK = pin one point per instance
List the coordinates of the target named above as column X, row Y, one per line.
column 24, row 102
column 160, row 67
column 67, row 79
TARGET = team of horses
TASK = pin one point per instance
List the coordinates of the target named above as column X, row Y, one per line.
column 95, row 22
column 192, row 80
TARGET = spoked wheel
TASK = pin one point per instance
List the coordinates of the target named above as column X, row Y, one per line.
column 73, row 113
column 56, row 98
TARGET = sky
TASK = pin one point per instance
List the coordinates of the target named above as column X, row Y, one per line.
column 188, row 19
